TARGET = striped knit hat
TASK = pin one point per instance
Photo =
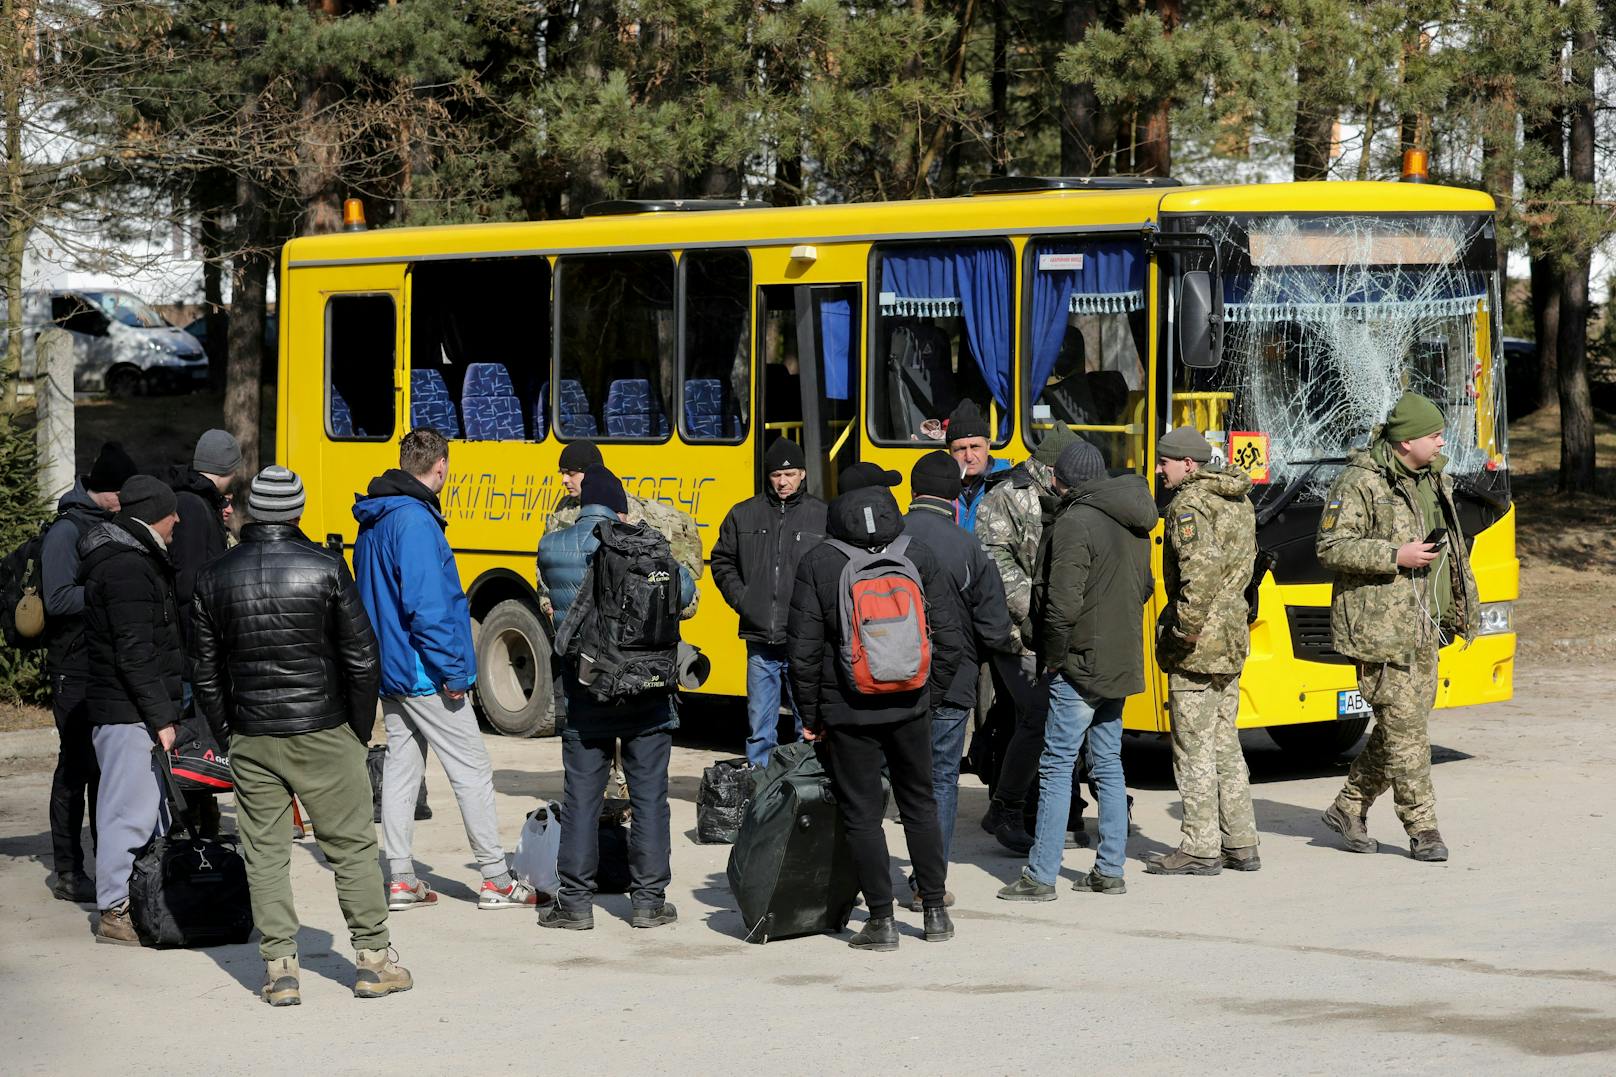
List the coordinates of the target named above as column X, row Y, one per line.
column 277, row 495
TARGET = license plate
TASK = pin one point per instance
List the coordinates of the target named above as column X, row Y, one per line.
column 1350, row 704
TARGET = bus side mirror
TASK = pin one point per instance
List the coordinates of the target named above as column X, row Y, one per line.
column 1200, row 321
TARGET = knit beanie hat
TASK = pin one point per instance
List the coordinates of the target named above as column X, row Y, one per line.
column 1079, row 462
column 578, row 455
column 276, row 496
column 967, row 422
column 1184, row 443
column 783, row 455
column 216, row 454
column 112, row 468
column 1413, row 417
column 1054, row 443
column 601, row 487
column 935, row 474
column 147, row 499
column 862, row 474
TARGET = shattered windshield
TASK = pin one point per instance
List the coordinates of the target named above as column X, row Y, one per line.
column 1328, row 319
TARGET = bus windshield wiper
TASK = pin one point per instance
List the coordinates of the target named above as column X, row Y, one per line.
column 1266, row 512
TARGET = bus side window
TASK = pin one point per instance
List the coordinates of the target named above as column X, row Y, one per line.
column 615, row 346
column 360, row 336
column 716, row 349
column 941, row 335
column 480, row 347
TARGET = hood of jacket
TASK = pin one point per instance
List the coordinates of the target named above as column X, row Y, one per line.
column 78, row 498
column 182, row 479
column 1124, row 498
column 867, row 517
column 1229, row 481
column 390, row 491
column 119, row 535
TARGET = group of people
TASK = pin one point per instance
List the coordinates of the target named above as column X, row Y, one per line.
column 1033, row 580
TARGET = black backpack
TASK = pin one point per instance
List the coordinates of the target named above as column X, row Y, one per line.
column 22, row 586
column 622, row 633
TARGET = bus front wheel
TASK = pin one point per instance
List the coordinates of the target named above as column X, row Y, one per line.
column 1318, row 742
column 513, row 671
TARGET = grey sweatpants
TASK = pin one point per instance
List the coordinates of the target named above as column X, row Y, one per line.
column 449, row 728
column 129, row 807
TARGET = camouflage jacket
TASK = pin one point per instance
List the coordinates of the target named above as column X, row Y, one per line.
column 1210, row 550
column 1377, row 610
column 1009, row 524
column 675, row 525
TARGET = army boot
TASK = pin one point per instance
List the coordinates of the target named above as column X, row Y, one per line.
column 376, row 973
column 1354, row 834
column 880, row 933
column 1242, row 859
column 1178, row 862
column 1427, row 845
column 280, row 982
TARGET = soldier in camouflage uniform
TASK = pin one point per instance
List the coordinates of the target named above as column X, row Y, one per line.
column 1394, row 600
column 1202, row 642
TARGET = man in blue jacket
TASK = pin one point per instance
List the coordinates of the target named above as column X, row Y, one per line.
column 970, row 443
column 411, row 588
column 588, row 743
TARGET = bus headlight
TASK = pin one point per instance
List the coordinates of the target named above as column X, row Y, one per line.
column 1495, row 618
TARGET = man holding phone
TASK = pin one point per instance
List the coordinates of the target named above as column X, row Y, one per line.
column 1396, row 599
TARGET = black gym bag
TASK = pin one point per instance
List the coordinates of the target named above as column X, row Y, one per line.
column 375, row 761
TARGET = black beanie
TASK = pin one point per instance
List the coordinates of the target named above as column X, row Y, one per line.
column 967, row 422
column 578, row 455
column 935, row 474
column 601, row 487
column 147, row 499
column 783, row 455
column 112, row 468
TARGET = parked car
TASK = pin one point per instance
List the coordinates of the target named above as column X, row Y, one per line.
column 120, row 344
column 198, row 328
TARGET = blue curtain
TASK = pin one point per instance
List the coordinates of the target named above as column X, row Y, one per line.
column 1111, row 280
column 835, row 329
column 972, row 283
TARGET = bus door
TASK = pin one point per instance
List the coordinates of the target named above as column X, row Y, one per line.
column 808, row 350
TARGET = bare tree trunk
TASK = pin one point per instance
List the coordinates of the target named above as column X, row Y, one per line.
column 1078, row 105
column 1576, row 410
column 787, row 187
column 955, row 59
column 1548, row 134
column 1153, row 152
column 249, row 276
column 1498, row 179
column 1315, row 122
column 999, row 124
column 211, row 237
column 16, row 38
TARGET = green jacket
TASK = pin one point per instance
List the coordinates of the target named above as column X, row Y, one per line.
column 1378, row 611
column 1091, row 581
column 1211, row 548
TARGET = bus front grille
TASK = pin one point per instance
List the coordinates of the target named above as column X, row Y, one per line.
column 1310, row 635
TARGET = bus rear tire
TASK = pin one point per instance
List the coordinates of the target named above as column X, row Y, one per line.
column 513, row 672
column 1318, row 742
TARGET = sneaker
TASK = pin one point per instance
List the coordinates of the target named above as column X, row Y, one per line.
column 115, row 927
column 1178, row 862
column 1242, row 859
column 657, row 916
column 73, row 886
column 1427, row 845
column 1026, row 888
column 281, row 982
column 1354, row 834
column 402, row 896
column 1100, row 884
column 377, row 973
column 880, row 934
column 518, row 895
column 567, row 919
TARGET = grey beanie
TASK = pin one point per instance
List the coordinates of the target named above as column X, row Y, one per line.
column 1184, row 443
column 276, row 496
column 1079, row 462
column 216, row 454
column 147, row 499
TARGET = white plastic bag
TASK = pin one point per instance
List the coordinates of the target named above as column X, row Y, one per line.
column 537, row 848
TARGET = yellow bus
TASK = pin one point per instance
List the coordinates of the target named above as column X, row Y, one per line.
column 1281, row 319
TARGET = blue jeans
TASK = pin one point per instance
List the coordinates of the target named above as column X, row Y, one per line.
column 1070, row 717
column 947, row 745
column 765, row 681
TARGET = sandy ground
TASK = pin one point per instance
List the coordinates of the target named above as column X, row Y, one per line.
column 1323, row 962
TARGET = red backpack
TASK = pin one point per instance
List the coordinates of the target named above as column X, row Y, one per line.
column 886, row 642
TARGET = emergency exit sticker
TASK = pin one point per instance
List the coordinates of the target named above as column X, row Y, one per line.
column 1249, row 450
column 1053, row 260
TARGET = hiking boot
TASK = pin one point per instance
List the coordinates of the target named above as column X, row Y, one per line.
column 655, row 916
column 1013, row 836
column 1178, row 862
column 377, row 973
column 73, row 886
column 280, row 982
column 1242, row 859
column 567, row 919
column 402, row 896
column 1026, row 888
column 1354, row 834
column 1100, row 884
column 515, row 896
column 880, row 933
column 115, row 926
column 939, row 926
column 998, row 814
column 1427, row 845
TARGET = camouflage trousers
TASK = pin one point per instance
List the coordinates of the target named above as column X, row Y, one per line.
column 1208, row 764
column 1398, row 755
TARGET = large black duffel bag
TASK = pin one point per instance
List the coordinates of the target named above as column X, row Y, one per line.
column 791, row 870
column 187, row 890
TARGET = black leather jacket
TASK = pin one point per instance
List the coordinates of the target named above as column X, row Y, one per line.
column 282, row 642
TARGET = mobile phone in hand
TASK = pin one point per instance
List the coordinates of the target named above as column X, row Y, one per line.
column 1437, row 538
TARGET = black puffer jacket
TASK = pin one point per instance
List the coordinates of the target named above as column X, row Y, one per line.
column 819, row 683
column 131, row 627
column 283, row 645
column 200, row 538
column 760, row 543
